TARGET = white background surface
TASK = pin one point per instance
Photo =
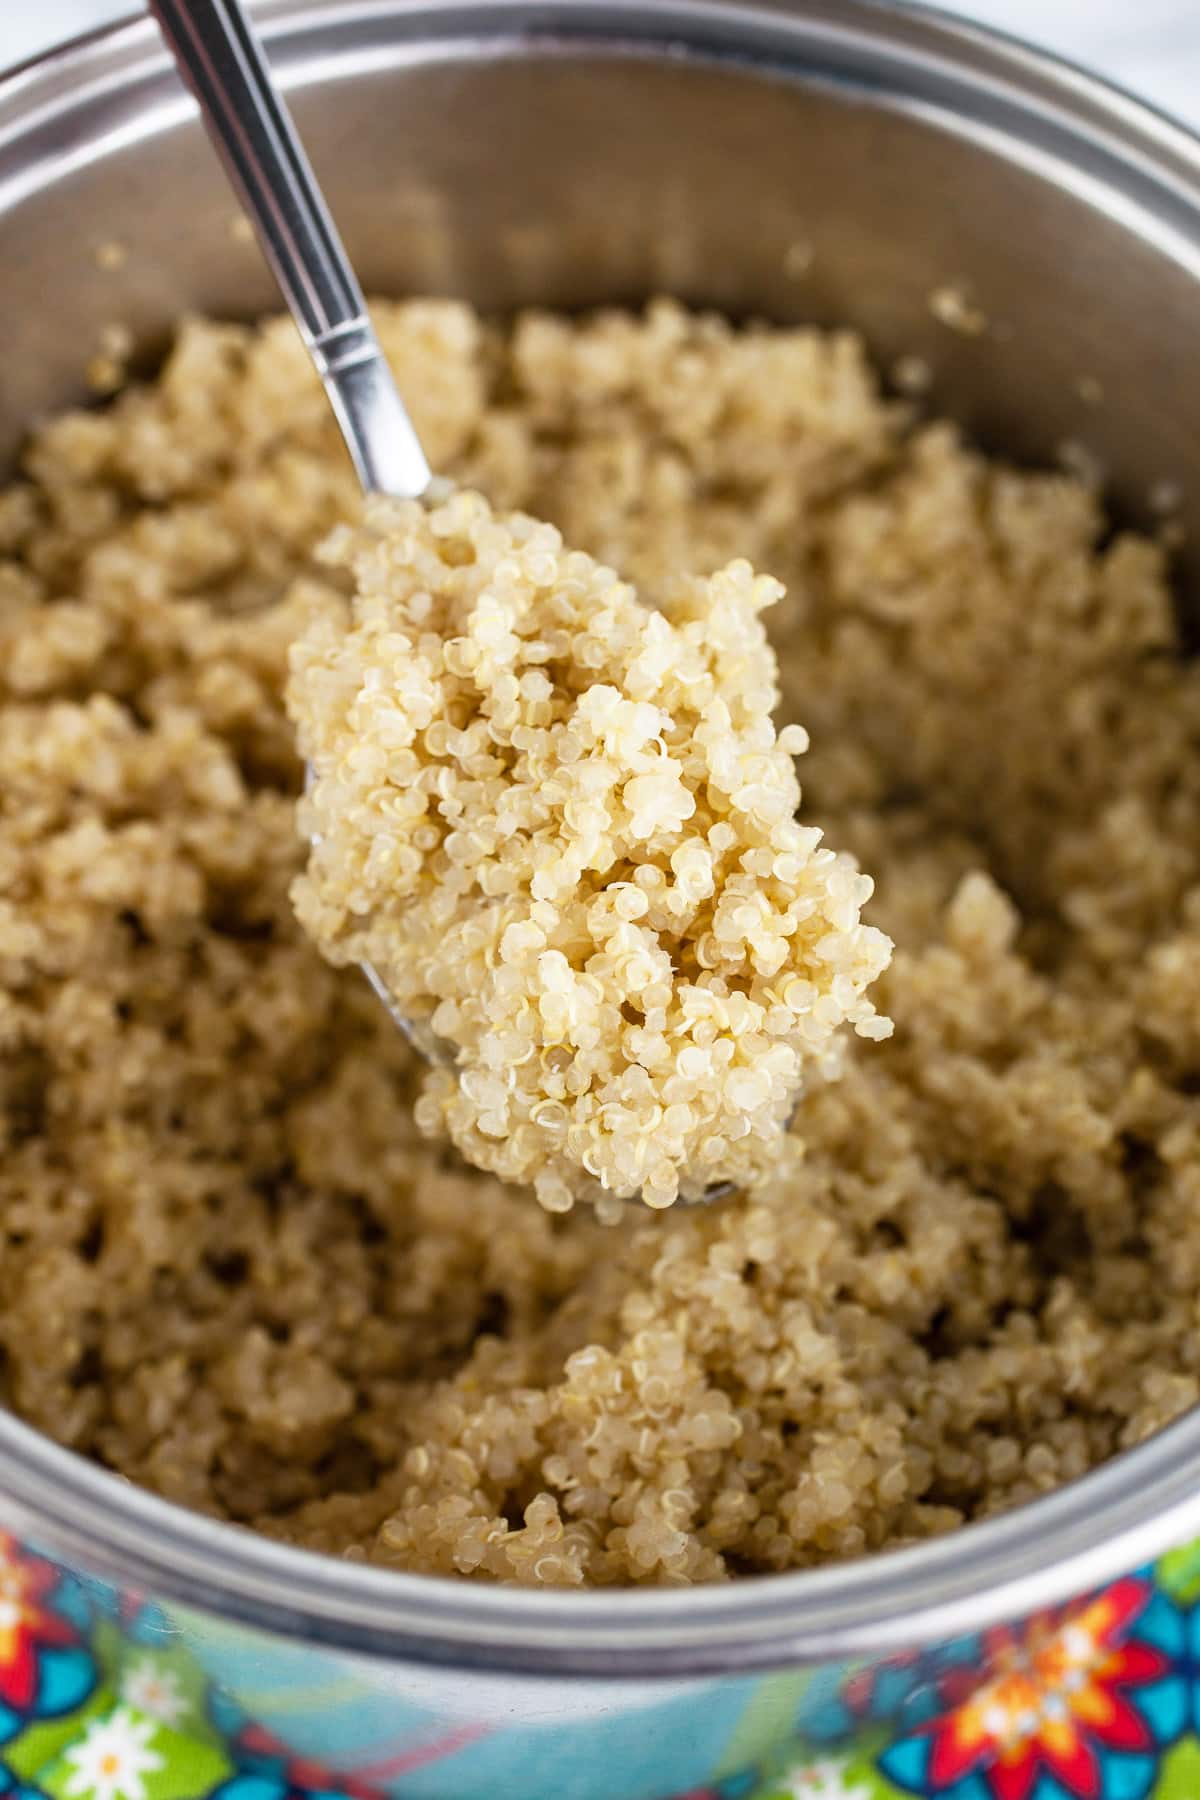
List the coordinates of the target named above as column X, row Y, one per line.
column 1152, row 46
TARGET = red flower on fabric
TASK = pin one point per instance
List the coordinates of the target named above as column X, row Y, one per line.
column 1054, row 1703
column 27, row 1624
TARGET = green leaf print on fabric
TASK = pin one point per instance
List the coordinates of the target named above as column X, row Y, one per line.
column 1179, row 1572
column 1180, row 1776
column 127, row 1755
column 167, row 1685
column 765, row 1721
column 827, row 1778
column 29, row 1752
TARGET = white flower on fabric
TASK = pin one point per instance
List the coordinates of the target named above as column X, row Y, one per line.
column 154, row 1690
column 113, row 1758
column 827, row 1779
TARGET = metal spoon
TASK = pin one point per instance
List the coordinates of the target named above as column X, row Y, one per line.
column 221, row 60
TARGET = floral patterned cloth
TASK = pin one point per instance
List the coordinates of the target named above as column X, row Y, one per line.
column 1098, row 1701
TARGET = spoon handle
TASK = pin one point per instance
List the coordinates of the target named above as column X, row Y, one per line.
column 221, row 60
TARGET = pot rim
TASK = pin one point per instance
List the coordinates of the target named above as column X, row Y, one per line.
column 1107, row 1522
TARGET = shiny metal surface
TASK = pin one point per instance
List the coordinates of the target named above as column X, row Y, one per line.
column 221, row 60
column 830, row 160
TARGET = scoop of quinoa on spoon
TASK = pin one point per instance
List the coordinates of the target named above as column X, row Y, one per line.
column 560, row 827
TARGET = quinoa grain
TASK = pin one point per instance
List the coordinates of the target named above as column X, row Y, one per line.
column 232, row 1268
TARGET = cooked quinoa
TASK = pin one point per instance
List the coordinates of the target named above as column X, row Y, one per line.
column 561, row 829
column 233, row 1269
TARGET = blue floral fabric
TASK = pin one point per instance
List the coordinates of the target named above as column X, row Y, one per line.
column 1095, row 1701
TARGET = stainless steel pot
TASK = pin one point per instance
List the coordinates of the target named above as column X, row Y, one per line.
column 832, row 160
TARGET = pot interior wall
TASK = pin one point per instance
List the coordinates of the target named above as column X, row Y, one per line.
column 569, row 177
